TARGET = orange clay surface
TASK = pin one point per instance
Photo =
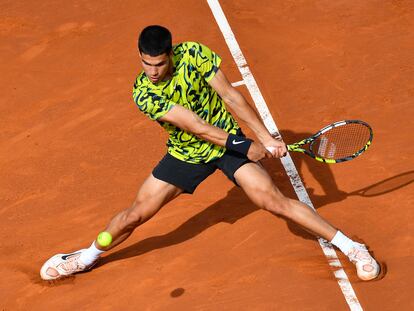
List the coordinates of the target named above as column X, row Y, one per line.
column 74, row 149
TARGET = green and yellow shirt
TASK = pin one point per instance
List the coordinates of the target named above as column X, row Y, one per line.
column 194, row 65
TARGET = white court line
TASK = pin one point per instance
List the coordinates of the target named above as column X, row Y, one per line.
column 238, row 83
column 287, row 162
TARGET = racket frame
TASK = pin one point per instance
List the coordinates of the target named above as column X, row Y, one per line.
column 297, row 147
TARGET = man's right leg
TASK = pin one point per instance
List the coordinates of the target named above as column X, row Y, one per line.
column 152, row 196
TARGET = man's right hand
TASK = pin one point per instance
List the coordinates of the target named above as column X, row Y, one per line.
column 276, row 147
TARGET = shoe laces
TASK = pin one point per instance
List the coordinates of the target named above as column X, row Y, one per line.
column 72, row 264
column 359, row 253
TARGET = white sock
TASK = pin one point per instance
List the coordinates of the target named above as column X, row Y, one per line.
column 342, row 242
column 90, row 255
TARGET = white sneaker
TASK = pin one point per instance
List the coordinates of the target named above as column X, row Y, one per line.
column 366, row 266
column 62, row 265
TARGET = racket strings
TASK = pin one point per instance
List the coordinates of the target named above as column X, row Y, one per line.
column 341, row 142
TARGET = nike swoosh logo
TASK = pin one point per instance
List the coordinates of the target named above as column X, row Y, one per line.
column 64, row 257
column 237, row 142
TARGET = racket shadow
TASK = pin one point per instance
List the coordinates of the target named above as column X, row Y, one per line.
column 236, row 206
column 385, row 186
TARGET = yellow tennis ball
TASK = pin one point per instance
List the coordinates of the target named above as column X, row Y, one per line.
column 104, row 239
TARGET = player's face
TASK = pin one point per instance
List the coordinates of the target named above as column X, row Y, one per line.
column 157, row 68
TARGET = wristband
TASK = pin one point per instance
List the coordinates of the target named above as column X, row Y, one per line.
column 239, row 144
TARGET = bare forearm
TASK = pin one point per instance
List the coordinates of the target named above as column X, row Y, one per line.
column 235, row 100
column 238, row 104
column 248, row 115
column 192, row 123
column 254, row 151
column 210, row 133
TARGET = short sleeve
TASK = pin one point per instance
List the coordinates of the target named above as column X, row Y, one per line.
column 205, row 60
column 152, row 104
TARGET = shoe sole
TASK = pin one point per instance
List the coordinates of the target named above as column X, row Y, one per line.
column 383, row 268
column 382, row 272
column 45, row 277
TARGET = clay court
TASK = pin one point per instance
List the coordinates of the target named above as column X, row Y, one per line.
column 74, row 149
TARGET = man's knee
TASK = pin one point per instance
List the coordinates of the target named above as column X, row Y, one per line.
column 266, row 196
column 278, row 205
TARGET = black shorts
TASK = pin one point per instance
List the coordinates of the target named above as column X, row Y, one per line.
column 188, row 176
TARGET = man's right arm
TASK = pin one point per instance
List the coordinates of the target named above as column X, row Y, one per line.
column 190, row 122
column 237, row 103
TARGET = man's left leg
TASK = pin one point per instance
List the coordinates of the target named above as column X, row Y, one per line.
column 260, row 188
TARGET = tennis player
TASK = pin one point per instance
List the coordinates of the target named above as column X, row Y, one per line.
column 183, row 88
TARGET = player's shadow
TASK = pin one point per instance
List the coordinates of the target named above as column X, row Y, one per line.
column 230, row 209
column 236, row 205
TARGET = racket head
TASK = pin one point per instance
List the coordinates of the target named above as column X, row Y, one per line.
column 338, row 142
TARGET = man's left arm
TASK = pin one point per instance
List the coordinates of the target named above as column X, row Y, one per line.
column 238, row 104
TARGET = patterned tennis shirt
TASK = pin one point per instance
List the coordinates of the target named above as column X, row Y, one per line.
column 194, row 66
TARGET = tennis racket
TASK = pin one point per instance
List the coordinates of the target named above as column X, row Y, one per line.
column 338, row 142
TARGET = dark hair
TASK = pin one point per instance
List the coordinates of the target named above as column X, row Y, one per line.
column 155, row 40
